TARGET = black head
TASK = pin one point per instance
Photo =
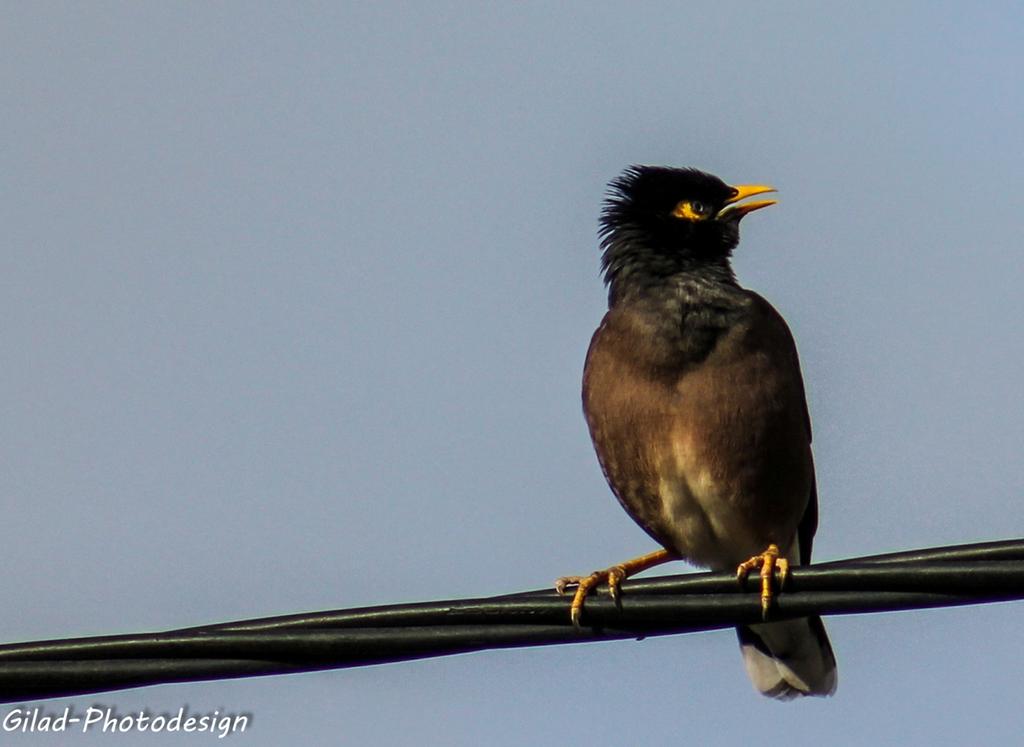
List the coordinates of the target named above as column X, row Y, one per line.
column 658, row 222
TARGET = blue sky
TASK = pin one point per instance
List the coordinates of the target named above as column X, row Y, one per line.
column 296, row 297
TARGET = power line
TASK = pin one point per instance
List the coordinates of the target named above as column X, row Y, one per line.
column 935, row 577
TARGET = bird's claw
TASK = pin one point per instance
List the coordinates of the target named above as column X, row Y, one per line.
column 565, row 582
column 768, row 562
column 584, row 585
column 613, row 576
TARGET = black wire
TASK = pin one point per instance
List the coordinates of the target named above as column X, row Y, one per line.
column 938, row 577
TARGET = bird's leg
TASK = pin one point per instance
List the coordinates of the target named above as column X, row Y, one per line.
column 768, row 561
column 614, row 576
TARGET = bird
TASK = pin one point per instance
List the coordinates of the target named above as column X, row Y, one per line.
column 695, row 403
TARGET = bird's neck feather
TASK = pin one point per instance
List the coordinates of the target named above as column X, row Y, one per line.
column 684, row 316
column 632, row 269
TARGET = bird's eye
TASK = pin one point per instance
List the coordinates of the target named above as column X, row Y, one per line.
column 692, row 210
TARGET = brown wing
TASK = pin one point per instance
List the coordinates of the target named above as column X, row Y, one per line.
column 617, row 400
column 809, row 523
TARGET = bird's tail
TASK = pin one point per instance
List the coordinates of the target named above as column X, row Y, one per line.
column 790, row 658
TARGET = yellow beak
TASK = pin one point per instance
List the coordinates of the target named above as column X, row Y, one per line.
column 743, row 191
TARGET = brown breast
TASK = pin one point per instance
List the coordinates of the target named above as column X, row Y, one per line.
column 734, row 423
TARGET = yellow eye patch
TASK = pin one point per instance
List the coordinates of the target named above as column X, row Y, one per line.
column 692, row 210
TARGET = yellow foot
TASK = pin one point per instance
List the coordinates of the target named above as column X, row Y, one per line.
column 613, row 576
column 768, row 561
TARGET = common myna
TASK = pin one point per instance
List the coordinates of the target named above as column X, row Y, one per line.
column 693, row 395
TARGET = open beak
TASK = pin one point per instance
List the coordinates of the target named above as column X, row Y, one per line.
column 734, row 210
